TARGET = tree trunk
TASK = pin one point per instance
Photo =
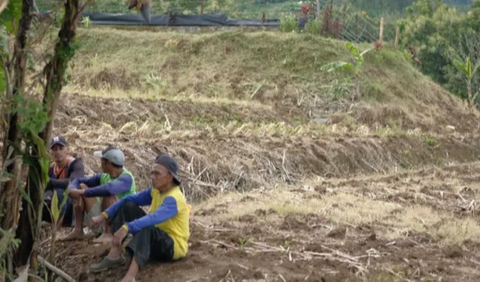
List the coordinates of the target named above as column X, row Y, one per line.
column 8, row 191
column 10, row 194
column 54, row 73
column 55, row 70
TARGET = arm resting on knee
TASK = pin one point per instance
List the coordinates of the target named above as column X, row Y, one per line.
column 89, row 181
column 142, row 198
column 122, row 185
column 167, row 210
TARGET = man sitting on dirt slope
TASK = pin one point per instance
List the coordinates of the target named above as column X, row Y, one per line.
column 64, row 169
column 161, row 235
column 114, row 183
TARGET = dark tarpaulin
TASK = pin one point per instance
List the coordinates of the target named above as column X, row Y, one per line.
column 176, row 20
column 158, row 20
column 253, row 23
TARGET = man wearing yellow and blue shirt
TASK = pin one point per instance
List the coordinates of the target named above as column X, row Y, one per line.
column 162, row 234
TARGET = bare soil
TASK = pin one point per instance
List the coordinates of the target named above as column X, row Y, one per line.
column 274, row 245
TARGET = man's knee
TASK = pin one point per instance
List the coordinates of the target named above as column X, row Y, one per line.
column 128, row 206
column 109, row 200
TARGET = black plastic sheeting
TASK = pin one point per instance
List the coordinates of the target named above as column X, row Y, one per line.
column 179, row 20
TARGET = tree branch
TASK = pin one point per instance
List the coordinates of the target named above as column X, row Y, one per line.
column 57, row 271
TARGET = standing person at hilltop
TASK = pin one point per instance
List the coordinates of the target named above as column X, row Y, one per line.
column 114, row 183
column 64, row 169
column 161, row 235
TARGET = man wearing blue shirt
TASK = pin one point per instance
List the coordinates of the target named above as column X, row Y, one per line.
column 162, row 234
column 113, row 184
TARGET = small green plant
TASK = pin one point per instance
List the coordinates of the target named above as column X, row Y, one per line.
column 242, row 242
column 313, row 26
column 469, row 71
column 339, row 88
column 356, row 66
column 8, row 245
column 55, row 215
column 430, row 141
column 154, row 81
column 288, row 23
column 86, row 22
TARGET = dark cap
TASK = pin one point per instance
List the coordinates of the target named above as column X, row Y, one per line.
column 111, row 154
column 170, row 164
column 58, row 140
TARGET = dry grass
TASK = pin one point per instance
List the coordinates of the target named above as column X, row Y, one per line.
column 391, row 219
column 203, row 65
column 276, row 70
column 153, row 128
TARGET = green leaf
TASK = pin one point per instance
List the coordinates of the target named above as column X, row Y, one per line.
column 54, row 208
column 12, row 13
column 25, row 196
column 461, row 66
column 468, row 67
column 352, row 49
column 333, row 66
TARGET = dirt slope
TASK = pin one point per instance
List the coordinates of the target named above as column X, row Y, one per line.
column 267, row 147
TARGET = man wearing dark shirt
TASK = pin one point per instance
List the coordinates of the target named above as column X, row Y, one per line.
column 64, row 169
column 114, row 183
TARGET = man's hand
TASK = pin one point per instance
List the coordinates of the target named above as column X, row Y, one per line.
column 96, row 221
column 76, row 193
column 82, row 186
column 119, row 236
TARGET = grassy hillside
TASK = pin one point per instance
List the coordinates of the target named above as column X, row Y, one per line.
column 258, row 69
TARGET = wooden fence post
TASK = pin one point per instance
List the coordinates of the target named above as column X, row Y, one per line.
column 397, row 37
column 201, row 6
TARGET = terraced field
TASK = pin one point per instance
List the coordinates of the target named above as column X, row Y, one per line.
column 289, row 177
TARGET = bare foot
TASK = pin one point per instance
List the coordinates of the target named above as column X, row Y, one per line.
column 104, row 238
column 76, row 234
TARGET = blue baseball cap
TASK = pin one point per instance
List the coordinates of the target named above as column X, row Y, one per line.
column 111, row 154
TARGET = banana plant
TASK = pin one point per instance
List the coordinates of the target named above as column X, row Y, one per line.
column 356, row 66
column 469, row 71
column 55, row 215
